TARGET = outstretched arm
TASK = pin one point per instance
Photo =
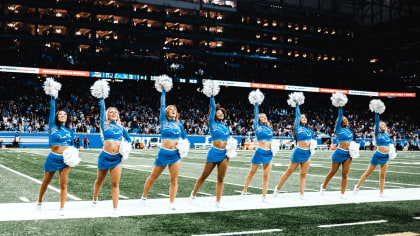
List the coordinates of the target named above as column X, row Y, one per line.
column 212, row 111
column 376, row 124
column 297, row 119
column 103, row 115
column 51, row 121
column 256, row 118
column 339, row 119
column 162, row 116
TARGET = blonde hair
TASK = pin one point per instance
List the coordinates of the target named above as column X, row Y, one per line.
column 118, row 115
column 266, row 123
column 167, row 111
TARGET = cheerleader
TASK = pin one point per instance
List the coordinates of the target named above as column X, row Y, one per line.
column 304, row 148
column 173, row 147
column 219, row 154
column 385, row 149
column 264, row 154
column 342, row 155
column 62, row 155
column 114, row 150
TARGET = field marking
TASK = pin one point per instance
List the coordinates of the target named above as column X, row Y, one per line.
column 24, row 199
column 159, row 206
column 39, row 182
column 355, row 223
column 124, row 197
column 241, row 233
column 416, row 218
column 164, row 195
column 258, row 173
column 207, row 194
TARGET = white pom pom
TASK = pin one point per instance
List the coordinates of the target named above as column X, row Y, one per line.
column 125, row 149
column 313, row 146
column 231, row 146
column 377, row 106
column 275, row 146
column 256, row 97
column 339, row 99
column 392, row 153
column 211, row 88
column 183, row 147
column 163, row 82
column 354, row 149
column 71, row 156
column 100, row 89
column 52, row 87
column 296, row 98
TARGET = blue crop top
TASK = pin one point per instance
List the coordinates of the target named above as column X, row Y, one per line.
column 59, row 135
column 301, row 132
column 169, row 129
column 218, row 130
column 111, row 131
column 263, row 132
column 343, row 134
column 382, row 138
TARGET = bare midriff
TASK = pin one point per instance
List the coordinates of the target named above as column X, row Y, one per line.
column 169, row 144
column 264, row 145
column 219, row 144
column 304, row 144
column 112, row 146
column 58, row 149
column 344, row 145
column 383, row 149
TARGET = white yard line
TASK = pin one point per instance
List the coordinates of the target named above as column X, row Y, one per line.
column 124, row 197
column 242, row 233
column 206, row 194
column 355, row 223
column 163, row 195
column 159, row 206
column 416, row 218
column 39, row 182
column 24, row 199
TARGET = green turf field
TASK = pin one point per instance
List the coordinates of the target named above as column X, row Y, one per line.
column 403, row 172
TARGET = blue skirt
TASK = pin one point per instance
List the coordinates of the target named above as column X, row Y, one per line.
column 340, row 155
column 108, row 161
column 300, row 155
column 167, row 157
column 54, row 162
column 379, row 158
column 262, row 156
column 216, row 155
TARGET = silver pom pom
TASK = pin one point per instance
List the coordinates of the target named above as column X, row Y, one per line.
column 313, row 146
column 392, row 153
column 163, row 82
column 256, row 97
column 296, row 98
column 211, row 88
column 339, row 99
column 100, row 89
column 125, row 149
column 275, row 146
column 71, row 156
column 354, row 149
column 183, row 147
column 377, row 106
column 231, row 145
column 52, row 87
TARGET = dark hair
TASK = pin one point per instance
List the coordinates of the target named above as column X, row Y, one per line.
column 335, row 124
column 58, row 123
column 307, row 126
column 218, row 107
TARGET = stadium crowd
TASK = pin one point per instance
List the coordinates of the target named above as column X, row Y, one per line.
column 25, row 108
